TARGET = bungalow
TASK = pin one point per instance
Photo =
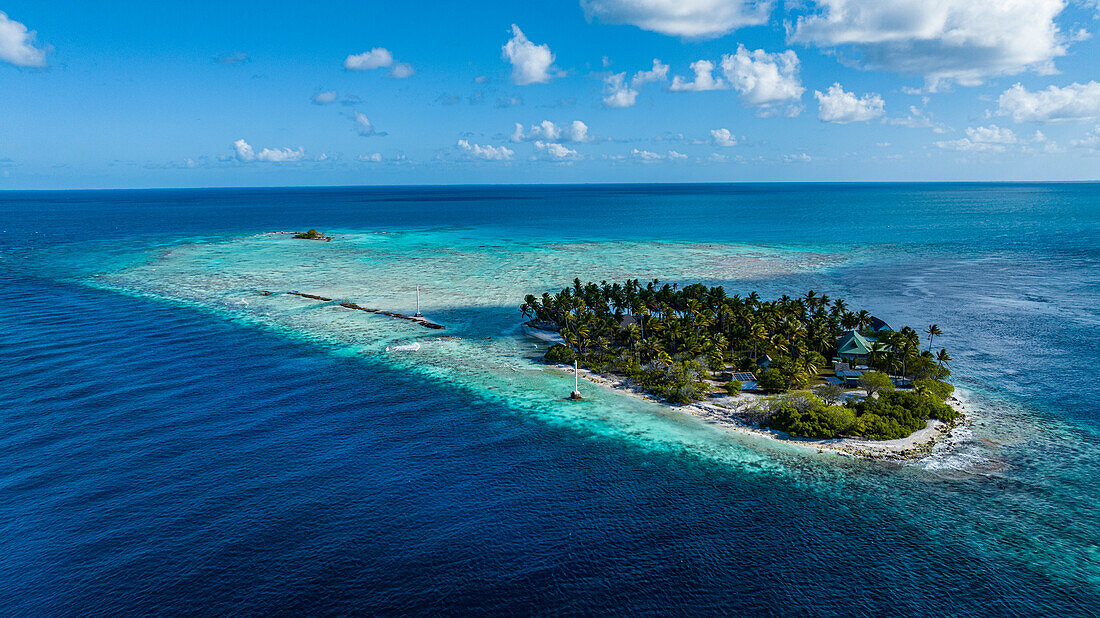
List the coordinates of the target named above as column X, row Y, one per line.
column 853, row 348
column 876, row 325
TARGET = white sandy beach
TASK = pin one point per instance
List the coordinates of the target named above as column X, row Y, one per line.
column 728, row 412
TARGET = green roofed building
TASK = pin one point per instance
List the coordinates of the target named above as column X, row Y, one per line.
column 853, row 347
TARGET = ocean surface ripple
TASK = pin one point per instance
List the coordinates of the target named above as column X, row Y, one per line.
column 164, row 448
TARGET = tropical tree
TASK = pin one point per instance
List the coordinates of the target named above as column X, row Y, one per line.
column 676, row 332
column 875, row 382
column 933, row 331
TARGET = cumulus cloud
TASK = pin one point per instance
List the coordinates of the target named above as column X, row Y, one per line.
column 19, row 46
column 364, row 126
column 836, row 105
column 531, row 64
column 964, row 41
column 578, row 131
column 645, row 155
column 982, row 139
column 676, row 156
column 324, row 98
column 618, row 92
column 374, row 59
column 796, row 158
column 246, row 154
column 704, row 79
column 763, row 79
column 546, row 130
column 723, row 137
column 694, row 19
column 489, row 153
column 556, row 151
column 1073, row 102
column 378, row 58
column 375, row 157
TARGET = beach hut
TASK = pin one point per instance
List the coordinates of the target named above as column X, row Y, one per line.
column 853, row 347
column 763, row 361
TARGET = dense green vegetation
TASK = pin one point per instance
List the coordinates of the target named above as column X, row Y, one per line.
column 312, row 234
column 671, row 340
column 889, row 416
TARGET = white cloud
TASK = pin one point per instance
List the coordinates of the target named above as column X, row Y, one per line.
column 763, row 79
column 836, row 105
column 374, row 59
column 704, row 79
column 617, row 93
column 1073, row 102
column 531, row 64
column 645, row 155
column 378, row 58
column 796, row 158
column 401, row 70
column 244, row 150
column 1090, row 141
column 371, row 158
column 556, row 151
column 723, row 137
column 578, row 131
column 696, row 19
column 620, row 93
column 918, row 118
column 676, row 156
column 246, row 154
column 489, row 153
column 982, row 139
column 961, row 40
column 18, row 45
column 364, row 126
column 324, row 98
column 658, row 73
column 546, row 130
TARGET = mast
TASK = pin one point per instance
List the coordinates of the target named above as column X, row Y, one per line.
column 576, row 394
column 417, row 314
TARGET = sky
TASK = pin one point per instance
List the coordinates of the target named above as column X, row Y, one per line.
column 174, row 94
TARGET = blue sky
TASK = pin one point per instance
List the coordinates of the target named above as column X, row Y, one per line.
column 139, row 94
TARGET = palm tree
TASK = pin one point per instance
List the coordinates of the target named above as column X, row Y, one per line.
column 863, row 319
column 679, row 325
column 878, row 354
column 933, row 332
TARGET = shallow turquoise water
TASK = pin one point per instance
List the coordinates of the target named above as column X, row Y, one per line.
column 177, row 438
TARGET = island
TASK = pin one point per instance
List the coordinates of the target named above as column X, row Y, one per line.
column 803, row 368
column 313, row 234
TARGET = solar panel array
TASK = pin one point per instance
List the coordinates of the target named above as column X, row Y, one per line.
column 744, row 377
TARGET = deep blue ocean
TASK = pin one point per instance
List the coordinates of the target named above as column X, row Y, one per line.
column 161, row 454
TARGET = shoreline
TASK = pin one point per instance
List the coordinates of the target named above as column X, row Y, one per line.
column 718, row 412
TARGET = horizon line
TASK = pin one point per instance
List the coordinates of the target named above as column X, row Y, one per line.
column 566, row 184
